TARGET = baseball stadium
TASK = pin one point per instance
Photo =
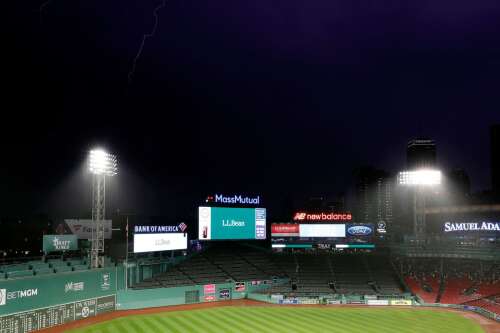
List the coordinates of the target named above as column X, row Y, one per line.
column 235, row 268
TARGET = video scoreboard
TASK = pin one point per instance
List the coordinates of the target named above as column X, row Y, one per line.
column 322, row 230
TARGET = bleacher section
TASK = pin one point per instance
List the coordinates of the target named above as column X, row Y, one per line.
column 450, row 281
column 427, row 288
column 50, row 266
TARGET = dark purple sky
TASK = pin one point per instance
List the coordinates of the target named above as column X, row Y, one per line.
column 282, row 98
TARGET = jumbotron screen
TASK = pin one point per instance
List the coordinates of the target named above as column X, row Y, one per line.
column 228, row 223
column 326, row 235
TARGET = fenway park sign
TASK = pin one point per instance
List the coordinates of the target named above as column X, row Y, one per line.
column 474, row 226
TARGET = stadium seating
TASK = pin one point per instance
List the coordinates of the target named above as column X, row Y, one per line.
column 62, row 269
column 17, row 274
column 80, row 267
column 216, row 265
column 43, row 271
column 450, row 281
column 309, row 274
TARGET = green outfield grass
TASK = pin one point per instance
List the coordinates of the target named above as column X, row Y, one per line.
column 290, row 319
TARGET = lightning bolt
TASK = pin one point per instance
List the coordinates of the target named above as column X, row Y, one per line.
column 144, row 38
column 42, row 8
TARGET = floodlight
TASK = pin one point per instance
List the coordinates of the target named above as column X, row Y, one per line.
column 420, row 177
column 102, row 163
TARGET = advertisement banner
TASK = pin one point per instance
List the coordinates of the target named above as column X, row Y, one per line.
column 210, row 298
column 50, row 290
column 377, row 302
column 224, row 294
column 82, row 228
column 55, row 243
column 239, row 286
column 359, row 230
column 334, row 301
column 285, row 230
column 159, row 242
column 209, row 289
column 289, row 301
column 220, row 223
column 400, row 302
column 464, row 227
column 322, row 230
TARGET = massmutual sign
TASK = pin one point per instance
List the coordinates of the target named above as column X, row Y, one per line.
column 233, row 199
column 472, row 226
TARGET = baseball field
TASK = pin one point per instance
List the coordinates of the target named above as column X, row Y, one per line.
column 253, row 319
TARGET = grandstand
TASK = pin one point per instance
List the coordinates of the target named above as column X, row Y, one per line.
column 217, row 265
column 309, row 274
column 452, row 281
column 45, row 266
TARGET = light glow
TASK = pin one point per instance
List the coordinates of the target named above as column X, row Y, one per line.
column 102, row 163
column 420, row 177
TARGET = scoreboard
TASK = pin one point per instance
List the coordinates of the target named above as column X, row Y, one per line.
column 322, row 235
column 33, row 320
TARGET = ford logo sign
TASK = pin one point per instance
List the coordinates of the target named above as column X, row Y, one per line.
column 359, row 230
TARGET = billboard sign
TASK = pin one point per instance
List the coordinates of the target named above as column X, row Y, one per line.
column 224, row 294
column 209, row 289
column 158, row 229
column 322, row 230
column 237, row 199
column 82, row 228
column 400, row 302
column 359, row 230
column 239, row 286
column 159, row 242
column 220, row 223
column 322, row 216
column 285, row 230
column 471, row 226
column 55, row 243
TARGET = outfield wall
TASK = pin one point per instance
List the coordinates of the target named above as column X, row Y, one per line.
column 145, row 298
column 37, row 302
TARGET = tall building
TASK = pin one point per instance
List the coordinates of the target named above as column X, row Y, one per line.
column 374, row 196
column 421, row 153
column 495, row 158
column 458, row 185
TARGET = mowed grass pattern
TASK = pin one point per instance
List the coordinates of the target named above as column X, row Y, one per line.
column 290, row 319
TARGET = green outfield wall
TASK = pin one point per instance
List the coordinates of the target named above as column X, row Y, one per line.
column 144, row 298
column 32, row 303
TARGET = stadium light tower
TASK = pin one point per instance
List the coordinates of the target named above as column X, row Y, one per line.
column 419, row 180
column 101, row 165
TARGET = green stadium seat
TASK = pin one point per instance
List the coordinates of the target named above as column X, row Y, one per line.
column 61, row 269
column 43, row 271
column 16, row 267
column 74, row 262
column 57, row 264
column 16, row 274
column 80, row 267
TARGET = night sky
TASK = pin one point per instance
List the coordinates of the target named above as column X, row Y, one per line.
column 279, row 98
